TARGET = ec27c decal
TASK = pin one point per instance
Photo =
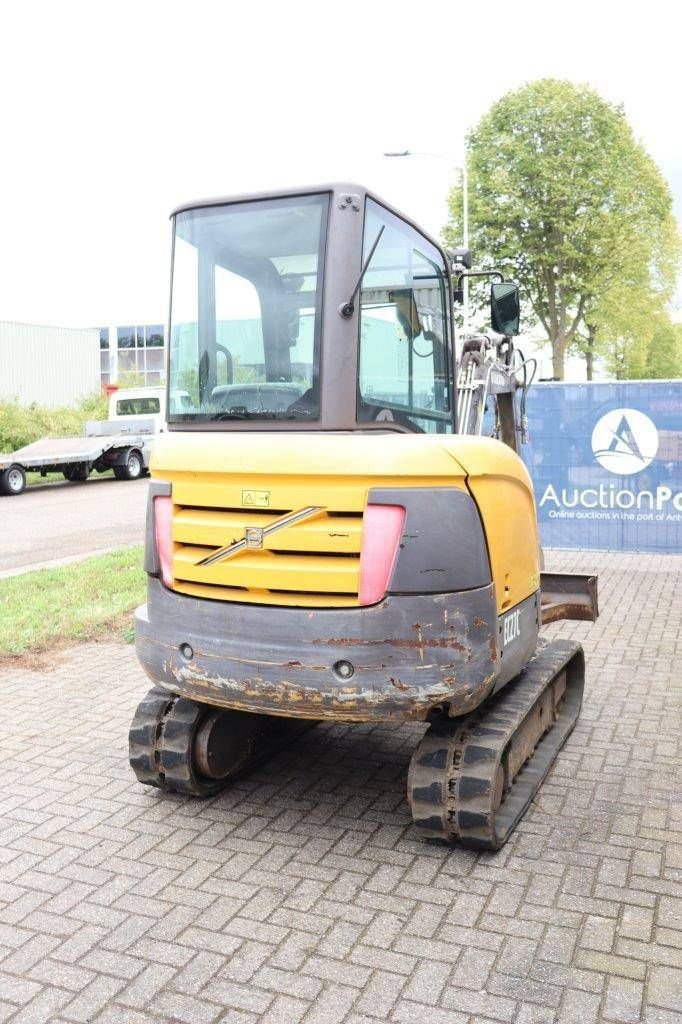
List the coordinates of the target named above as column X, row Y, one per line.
column 511, row 627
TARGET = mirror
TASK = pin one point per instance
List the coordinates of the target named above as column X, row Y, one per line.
column 505, row 309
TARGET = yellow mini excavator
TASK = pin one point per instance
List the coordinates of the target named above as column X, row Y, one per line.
column 330, row 537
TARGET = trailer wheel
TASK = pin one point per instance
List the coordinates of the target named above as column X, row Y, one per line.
column 77, row 473
column 13, row 480
column 133, row 467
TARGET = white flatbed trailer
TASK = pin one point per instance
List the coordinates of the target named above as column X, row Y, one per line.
column 123, row 446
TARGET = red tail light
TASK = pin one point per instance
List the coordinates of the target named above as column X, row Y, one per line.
column 163, row 537
column 382, row 529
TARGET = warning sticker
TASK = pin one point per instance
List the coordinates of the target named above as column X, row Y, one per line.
column 259, row 499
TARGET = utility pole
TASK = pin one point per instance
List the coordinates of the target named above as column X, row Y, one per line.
column 465, row 210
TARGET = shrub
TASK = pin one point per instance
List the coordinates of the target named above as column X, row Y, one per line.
column 22, row 424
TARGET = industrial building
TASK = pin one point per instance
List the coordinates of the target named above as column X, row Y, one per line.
column 58, row 366
column 48, row 365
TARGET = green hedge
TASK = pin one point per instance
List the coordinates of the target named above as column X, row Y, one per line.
column 21, row 424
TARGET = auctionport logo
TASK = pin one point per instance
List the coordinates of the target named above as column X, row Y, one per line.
column 624, row 441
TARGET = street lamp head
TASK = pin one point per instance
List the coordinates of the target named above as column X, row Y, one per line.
column 402, row 152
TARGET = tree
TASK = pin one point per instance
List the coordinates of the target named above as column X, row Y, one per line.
column 660, row 358
column 629, row 302
column 563, row 198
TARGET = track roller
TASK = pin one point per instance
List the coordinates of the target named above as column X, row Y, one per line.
column 471, row 779
column 183, row 746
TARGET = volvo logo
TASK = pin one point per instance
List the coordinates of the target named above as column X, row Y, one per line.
column 255, row 535
column 624, row 441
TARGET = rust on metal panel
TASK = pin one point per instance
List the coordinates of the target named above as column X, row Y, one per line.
column 292, row 699
column 408, row 662
column 411, row 643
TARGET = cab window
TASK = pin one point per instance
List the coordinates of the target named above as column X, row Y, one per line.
column 403, row 359
column 146, row 406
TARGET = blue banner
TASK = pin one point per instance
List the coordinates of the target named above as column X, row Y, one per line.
column 606, row 463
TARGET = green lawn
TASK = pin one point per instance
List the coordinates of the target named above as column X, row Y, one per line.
column 80, row 601
column 35, row 479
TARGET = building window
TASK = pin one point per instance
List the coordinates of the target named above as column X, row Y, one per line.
column 126, row 337
column 136, row 350
column 154, row 336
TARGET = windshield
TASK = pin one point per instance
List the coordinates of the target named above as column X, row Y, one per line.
column 245, row 311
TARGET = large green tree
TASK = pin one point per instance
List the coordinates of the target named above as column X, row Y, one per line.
column 626, row 315
column 563, row 198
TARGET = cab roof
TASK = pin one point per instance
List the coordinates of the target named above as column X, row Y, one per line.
column 341, row 188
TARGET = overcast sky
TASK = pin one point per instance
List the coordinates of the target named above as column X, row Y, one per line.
column 112, row 113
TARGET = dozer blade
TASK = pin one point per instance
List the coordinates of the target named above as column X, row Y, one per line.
column 471, row 779
column 567, row 595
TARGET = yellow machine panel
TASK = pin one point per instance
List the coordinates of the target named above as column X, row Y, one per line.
column 316, row 562
column 502, row 488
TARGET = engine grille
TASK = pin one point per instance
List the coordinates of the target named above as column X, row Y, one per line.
column 314, row 563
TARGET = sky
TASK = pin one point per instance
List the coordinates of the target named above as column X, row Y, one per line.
column 113, row 113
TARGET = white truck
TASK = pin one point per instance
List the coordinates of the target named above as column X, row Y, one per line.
column 121, row 443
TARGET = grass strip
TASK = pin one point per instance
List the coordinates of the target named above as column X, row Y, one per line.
column 80, row 601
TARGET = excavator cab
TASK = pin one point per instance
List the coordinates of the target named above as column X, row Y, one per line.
column 330, row 537
column 257, row 336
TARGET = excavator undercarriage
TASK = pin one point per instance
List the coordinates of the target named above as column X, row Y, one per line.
column 470, row 779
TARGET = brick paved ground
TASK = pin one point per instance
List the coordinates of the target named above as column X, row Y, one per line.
column 302, row 893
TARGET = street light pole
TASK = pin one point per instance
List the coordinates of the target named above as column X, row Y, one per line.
column 465, row 212
column 465, row 239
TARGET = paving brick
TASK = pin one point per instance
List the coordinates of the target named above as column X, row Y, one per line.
column 558, row 945
column 665, row 988
column 384, row 959
column 288, row 983
column 302, row 895
column 331, row 1006
column 180, row 1007
column 517, row 957
column 17, row 990
column 68, row 976
column 427, row 982
column 598, row 933
column 623, row 966
column 146, row 985
column 623, row 1000
column 479, row 1004
column 530, row 1013
column 194, row 975
column 636, row 923
column 92, row 999
column 380, row 994
column 285, row 1010
column 408, row 1012
column 579, row 1007
column 44, row 1006
column 238, row 997
column 669, row 913
column 338, row 971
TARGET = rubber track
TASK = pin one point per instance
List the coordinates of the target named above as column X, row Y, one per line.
column 160, row 744
column 454, row 768
column 161, row 741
